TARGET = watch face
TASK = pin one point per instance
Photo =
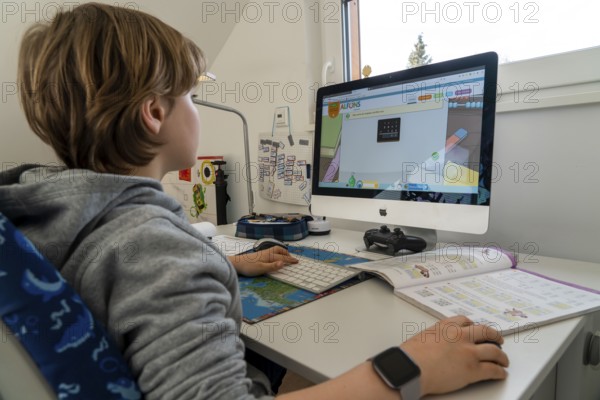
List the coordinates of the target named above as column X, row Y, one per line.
column 396, row 367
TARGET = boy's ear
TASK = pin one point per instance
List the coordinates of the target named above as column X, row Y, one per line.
column 153, row 114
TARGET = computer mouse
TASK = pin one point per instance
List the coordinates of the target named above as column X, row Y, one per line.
column 267, row 243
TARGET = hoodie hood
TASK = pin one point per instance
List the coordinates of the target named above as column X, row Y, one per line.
column 50, row 204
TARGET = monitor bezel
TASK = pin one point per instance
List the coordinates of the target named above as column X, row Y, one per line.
column 488, row 61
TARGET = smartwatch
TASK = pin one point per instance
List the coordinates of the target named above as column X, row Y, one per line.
column 399, row 372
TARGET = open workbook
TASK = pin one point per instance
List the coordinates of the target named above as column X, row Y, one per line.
column 486, row 285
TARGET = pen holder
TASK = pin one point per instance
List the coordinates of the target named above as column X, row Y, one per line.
column 286, row 227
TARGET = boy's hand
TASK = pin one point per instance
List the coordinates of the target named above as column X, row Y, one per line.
column 262, row 262
column 451, row 355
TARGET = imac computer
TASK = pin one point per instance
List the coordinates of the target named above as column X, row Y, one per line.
column 411, row 148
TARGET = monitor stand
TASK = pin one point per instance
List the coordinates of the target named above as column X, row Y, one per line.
column 379, row 237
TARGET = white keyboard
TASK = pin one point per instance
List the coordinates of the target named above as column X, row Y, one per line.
column 313, row 275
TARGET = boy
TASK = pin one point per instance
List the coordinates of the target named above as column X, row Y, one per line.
column 110, row 90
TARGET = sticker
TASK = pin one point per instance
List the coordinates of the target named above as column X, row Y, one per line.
column 185, row 175
column 307, row 197
column 333, row 109
column 207, row 173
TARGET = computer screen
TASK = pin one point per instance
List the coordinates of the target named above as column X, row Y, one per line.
column 412, row 148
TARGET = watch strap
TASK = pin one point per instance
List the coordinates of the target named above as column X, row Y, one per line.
column 411, row 390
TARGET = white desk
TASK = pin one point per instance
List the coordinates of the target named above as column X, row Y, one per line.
column 327, row 337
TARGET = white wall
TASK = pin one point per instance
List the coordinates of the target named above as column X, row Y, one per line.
column 545, row 194
column 266, row 62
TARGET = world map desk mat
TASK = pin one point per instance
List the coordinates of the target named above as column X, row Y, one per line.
column 264, row 297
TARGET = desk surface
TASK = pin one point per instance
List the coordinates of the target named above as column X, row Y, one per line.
column 327, row 337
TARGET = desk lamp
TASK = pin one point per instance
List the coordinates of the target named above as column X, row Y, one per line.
column 211, row 77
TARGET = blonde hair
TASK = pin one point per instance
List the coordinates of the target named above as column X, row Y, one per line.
column 85, row 75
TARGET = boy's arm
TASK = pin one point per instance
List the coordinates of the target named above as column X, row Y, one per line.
column 169, row 306
column 447, row 354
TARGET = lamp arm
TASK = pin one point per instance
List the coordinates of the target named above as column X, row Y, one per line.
column 246, row 143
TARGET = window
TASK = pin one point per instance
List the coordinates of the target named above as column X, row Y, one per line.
column 387, row 30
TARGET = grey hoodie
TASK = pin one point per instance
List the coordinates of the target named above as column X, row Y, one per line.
column 164, row 292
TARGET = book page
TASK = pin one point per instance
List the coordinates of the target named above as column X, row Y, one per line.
column 438, row 265
column 509, row 300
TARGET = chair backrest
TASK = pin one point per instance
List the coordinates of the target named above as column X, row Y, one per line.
column 48, row 329
column 19, row 376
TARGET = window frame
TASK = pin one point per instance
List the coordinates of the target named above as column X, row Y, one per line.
column 555, row 80
column 351, row 40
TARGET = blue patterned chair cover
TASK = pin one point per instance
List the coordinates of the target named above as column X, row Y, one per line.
column 71, row 349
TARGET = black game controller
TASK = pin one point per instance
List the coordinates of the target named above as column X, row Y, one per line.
column 393, row 241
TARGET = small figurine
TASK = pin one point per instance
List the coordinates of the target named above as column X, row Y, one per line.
column 366, row 71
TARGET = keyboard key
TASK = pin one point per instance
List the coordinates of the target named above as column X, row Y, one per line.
column 313, row 275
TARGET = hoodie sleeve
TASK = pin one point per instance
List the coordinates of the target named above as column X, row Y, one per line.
column 171, row 302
